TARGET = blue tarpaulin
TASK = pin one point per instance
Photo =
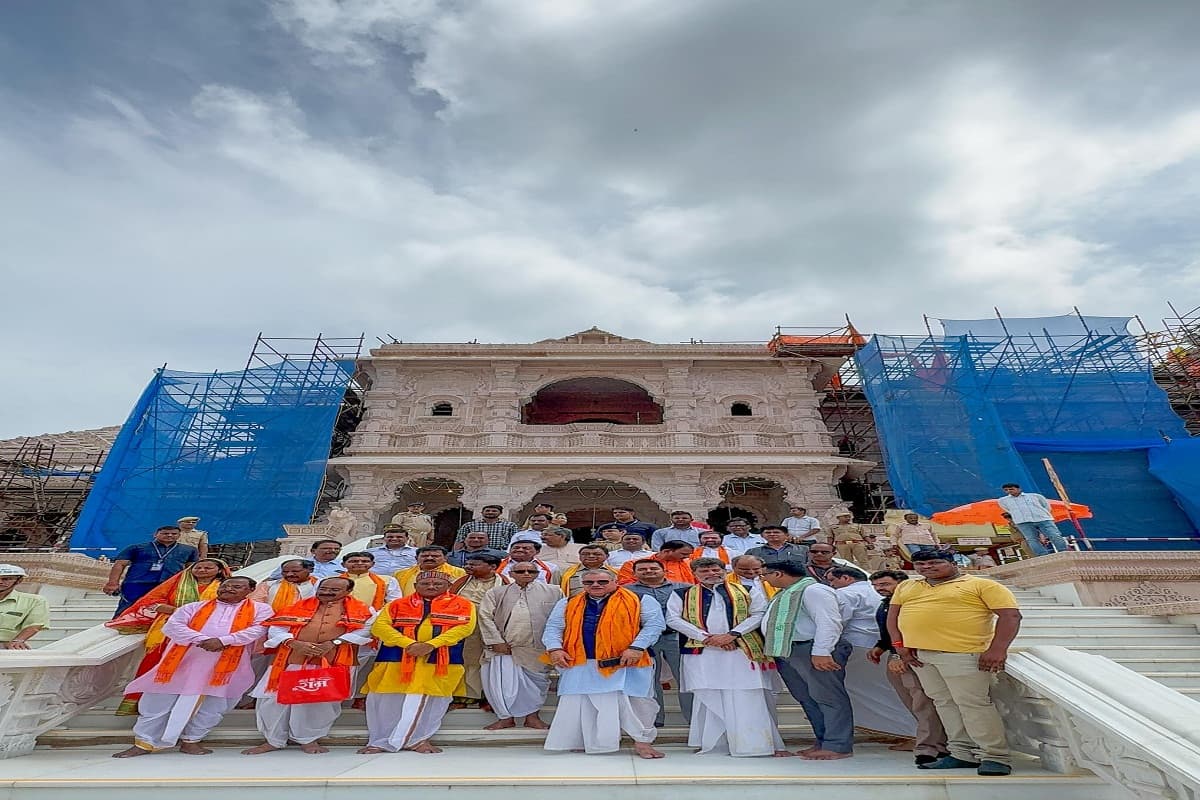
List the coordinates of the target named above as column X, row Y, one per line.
column 245, row 451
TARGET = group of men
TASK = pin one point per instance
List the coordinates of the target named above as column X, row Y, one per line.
column 736, row 618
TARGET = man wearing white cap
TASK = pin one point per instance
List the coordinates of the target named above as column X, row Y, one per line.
column 22, row 614
column 190, row 536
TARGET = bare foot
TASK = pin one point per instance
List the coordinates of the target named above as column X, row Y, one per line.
column 782, row 753
column 906, row 746
column 501, row 724
column 359, row 704
column 260, row 749
column 132, row 752
column 424, row 747
column 193, row 749
column 246, row 704
column 370, row 751
column 645, row 750
column 809, row 749
column 313, row 748
column 824, row 755
column 536, row 722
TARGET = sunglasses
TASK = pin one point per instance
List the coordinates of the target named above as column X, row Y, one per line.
column 601, row 582
column 523, row 572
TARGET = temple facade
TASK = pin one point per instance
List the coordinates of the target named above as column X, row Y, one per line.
column 587, row 422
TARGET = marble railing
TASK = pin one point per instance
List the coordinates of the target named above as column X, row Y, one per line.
column 43, row 688
column 615, row 440
column 1078, row 710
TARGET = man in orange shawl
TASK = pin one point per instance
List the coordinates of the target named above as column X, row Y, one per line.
column 675, row 556
column 329, row 627
column 598, row 641
column 203, row 672
column 419, row 665
column 149, row 613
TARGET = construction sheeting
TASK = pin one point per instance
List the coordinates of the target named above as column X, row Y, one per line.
column 245, row 451
column 960, row 415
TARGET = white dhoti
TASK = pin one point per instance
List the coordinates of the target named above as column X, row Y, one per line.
column 594, row 722
column 876, row 706
column 366, row 660
column 512, row 690
column 397, row 722
column 165, row 719
column 733, row 708
column 301, row 723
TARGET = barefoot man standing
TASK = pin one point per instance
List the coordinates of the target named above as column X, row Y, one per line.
column 203, row 673
column 598, row 640
column 420, row 664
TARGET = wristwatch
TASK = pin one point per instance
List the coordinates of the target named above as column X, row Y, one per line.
column 337, row 641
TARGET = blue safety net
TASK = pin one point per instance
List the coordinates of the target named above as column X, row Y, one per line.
column 245, row 451
column 959, row 415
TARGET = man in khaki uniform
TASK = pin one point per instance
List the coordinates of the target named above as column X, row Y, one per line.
column 416, row 523
column 190, row 536
column 850, row 541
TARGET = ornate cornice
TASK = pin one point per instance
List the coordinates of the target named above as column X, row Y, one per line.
column 1090, row 567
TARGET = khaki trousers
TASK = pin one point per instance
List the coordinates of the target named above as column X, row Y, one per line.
column 854, row 551
column 963, row 696
column 931, row 736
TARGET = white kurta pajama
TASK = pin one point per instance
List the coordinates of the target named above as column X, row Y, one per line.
column 733, row 705
column 593, row 708
column 187, row 707
column 302, row 723
column 876, row 706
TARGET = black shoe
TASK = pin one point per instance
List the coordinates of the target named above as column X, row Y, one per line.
column 926, row 759
column 949, row 762
column 994, row 768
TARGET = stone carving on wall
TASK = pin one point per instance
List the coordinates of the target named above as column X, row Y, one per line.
column 1146, row 594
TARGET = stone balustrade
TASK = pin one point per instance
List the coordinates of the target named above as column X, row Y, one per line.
column 1121, row 579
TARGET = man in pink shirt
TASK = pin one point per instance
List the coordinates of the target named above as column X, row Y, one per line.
column 203, row 672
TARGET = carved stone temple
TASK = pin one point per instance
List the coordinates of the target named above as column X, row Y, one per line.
column 590, row 421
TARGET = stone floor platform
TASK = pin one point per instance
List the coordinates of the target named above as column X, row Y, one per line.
column 483, row 772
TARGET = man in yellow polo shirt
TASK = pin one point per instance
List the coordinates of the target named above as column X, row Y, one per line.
column 22, row 614
column 954, row 630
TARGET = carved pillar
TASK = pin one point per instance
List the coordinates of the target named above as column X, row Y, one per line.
column 679, row 402
column 492, row 488
column 503, row 400
column 687, row 492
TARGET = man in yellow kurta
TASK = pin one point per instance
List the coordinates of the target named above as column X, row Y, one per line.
column 430, row 558
column 418, row 667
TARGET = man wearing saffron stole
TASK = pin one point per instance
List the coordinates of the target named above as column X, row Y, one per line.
column 711, row 547
column 329, row 626
column 598, row 641
column 202, row 674
column 723, row 664
column 747, row 573
column 372, row 590
column 296, row 584
column 591, row 556
column 149, row 614
column 481, row 577
column 418, row 667
column 674, row 556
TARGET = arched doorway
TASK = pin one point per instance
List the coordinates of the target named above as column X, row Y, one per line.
column 441, row 497
column 589, row 502
column 592, row 400
column 761, row 500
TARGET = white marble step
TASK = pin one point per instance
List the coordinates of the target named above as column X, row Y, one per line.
column 1176, row 680
column 1145, row 662
column 485, row 773
column 1085, row 639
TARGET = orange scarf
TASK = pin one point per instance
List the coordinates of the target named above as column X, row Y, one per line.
column 620, row 622
column 380, row 587
column 230, row 657
column 287, row 595
column 355, row 616
column 445, row 611
column 564, row 582
column 722, row 554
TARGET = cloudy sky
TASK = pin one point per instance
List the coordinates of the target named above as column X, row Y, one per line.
column 180, row 176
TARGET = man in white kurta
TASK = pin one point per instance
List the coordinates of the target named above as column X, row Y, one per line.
column 598, row 641
column 733, row 698
column 872, row 697
column 512, row 619
column 183, row 703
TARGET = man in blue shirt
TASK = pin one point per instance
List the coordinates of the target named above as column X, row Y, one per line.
column 144, row 566
column 632, row 524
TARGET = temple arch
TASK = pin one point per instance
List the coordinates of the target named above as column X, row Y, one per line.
column 592, row 399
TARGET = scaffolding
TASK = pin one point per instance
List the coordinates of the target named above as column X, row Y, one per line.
column 844, row 410
column 43, row 484
column 244, row 450
column 1175, row 359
